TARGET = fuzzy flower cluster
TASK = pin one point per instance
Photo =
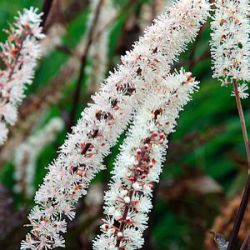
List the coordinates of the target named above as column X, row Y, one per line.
column 26, row 155
column 81, row 156
column 139, row 164
column 19, row 55
column 230, row 43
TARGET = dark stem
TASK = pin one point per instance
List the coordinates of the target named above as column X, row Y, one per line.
column 66, row 50
column 125, row 214
column 242, row 121
column 77, row 93
column 239, row 217
column 246, row 194
column 46, row 9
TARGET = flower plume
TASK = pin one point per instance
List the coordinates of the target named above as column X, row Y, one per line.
column 230, row 43
column 19, row 55
column 103, row 121
column 139, row 164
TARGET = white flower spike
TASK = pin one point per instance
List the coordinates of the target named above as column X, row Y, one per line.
column 230, row 42
column 81, row 156
column 19, row 54
column 139, row 164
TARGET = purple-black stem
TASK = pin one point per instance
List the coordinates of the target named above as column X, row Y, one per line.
column 245, row 197
column 46, row 9
column 77, row 93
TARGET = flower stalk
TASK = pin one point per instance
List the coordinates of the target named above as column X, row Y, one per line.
column 246, row 194
column 242, row 120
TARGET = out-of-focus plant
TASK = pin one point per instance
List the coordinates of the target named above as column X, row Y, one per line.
column 27, row 152
column 19, row 55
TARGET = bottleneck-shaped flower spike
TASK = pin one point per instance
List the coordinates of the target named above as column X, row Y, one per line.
column 103, row 121
column 19, row 55
column 139, row 164
column 26, row 155
column 230, row 43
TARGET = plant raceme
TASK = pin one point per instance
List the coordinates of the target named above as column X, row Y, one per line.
column 139, row 164
column 19, row 54
column 230, row 43
column 146, row 66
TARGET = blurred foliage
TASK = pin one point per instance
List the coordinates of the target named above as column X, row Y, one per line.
column 207, row 141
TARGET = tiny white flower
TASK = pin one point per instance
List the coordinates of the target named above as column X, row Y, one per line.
column 242, row 90
column 126, row 199
column 120, row 234
column 117, row 215
column 136, row 186
column 123, row 193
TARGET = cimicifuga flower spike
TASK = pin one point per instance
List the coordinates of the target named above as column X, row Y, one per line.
column 19, row 55
column 230, row 43
column 103, row 121
column 139, row 164
column 26, row 155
